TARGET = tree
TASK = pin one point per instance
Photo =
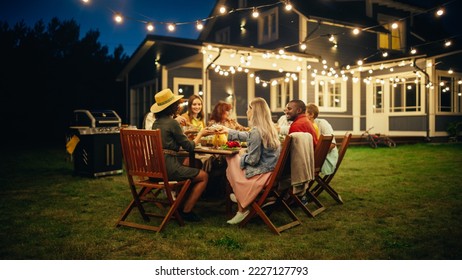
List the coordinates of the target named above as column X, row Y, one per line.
column 48, row 71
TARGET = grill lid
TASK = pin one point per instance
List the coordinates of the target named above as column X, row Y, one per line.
column 100, row 118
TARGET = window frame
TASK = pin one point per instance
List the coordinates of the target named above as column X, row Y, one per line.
column 455, row 88
column 266, row 23
column 395, row 40
column 223, row 35
column 284, row 86
column 326, row 96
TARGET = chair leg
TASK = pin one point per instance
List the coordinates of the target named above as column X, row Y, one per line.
column 311, row 199
column 323, row 186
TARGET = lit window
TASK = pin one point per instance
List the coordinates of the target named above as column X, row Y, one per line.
column 330, row 94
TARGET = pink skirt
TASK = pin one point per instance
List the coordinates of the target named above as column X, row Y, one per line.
column 245, row 189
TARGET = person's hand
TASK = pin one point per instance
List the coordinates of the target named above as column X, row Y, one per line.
column 205, row 132
column 181, row 120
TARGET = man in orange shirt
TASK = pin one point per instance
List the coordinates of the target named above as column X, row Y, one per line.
column 295, row 112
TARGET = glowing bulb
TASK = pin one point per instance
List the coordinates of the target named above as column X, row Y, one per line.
column 288, row 6
column 360, row 62
column 171, row 27
column 150, row 26
column 86, row 1
column 331, row 38
column 440, row 12
column 303, row 47
column 222, row 9
column 199, row 25
column 356, row 31
column 447, row 43
column 413, row 51
column 255, row 13
column 118, row 18
column 394, row 25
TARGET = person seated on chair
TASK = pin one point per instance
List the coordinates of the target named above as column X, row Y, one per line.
column 221, row 115
column 283, row 124
column 323, row 127
column 149, row 120
column 173, row 138
column 296, row 113
column 195, row 113
column 248, row 171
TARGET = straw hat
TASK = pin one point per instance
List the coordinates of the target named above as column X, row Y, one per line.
column 164, row 98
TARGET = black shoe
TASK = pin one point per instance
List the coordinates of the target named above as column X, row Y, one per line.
column 190, row 216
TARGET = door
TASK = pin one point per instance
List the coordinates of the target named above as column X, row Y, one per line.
column 377, row 107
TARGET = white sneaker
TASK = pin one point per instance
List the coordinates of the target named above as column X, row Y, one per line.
column 232, row 197
column 239, row 217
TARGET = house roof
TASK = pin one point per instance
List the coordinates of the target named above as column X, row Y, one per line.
column 168, row 50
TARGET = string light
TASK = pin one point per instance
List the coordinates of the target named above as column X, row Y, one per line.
column 118, row 18
column 255, row 13
column 150, row 26
column 281, row 54
column 199, row 25
column 440, row 12
column 171, row 27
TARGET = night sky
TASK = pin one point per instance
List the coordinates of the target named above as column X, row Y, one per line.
column 98, row 14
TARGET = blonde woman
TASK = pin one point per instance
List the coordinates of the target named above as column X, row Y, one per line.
column 248, row 171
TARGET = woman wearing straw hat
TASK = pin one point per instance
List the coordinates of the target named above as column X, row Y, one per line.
column 172, row 139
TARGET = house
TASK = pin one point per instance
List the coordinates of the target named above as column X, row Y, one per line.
column 365, row 63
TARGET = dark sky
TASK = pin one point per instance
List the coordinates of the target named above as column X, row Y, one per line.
column 97, row 14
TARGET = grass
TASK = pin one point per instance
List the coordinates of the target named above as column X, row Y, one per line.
column 402, row 203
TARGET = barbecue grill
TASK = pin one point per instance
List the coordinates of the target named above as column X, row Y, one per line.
column 98, row 153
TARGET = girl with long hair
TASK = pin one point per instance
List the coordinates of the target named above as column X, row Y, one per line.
column 248, row 171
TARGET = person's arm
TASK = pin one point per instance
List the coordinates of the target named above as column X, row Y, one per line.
column 253, row 154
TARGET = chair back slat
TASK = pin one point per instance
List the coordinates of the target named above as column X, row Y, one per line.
column 142, row 150
column 321, row 150
column 278, row 169
column 148, row 180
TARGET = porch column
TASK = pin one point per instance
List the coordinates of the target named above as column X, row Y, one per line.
column 356, row 103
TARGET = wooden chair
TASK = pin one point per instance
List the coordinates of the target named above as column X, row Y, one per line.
column 325, row 186
column 271, row 190
column 314, row 207
column 148, row 181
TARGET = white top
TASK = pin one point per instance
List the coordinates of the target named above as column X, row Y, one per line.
column 284, row 125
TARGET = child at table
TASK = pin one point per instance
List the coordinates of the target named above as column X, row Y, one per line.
column 248, row 171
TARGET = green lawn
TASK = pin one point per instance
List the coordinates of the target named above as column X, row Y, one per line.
column 402, row 203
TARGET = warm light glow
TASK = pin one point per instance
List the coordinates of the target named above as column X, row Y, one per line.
column 394, row 25
column 331, row 38
column 222, row 9
column 360, row 62
column 288, row 6
column 255, row 13
column 440, row 12
column 450, row 71
column 118, row 18
column 447, row 43
column 86, row 1
column 281, row 51
column 413, row 51
column 385, row 54
column 150, row 27
column 356, row 31
column 171, row 27
column 303, row 47
column 199, row 25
